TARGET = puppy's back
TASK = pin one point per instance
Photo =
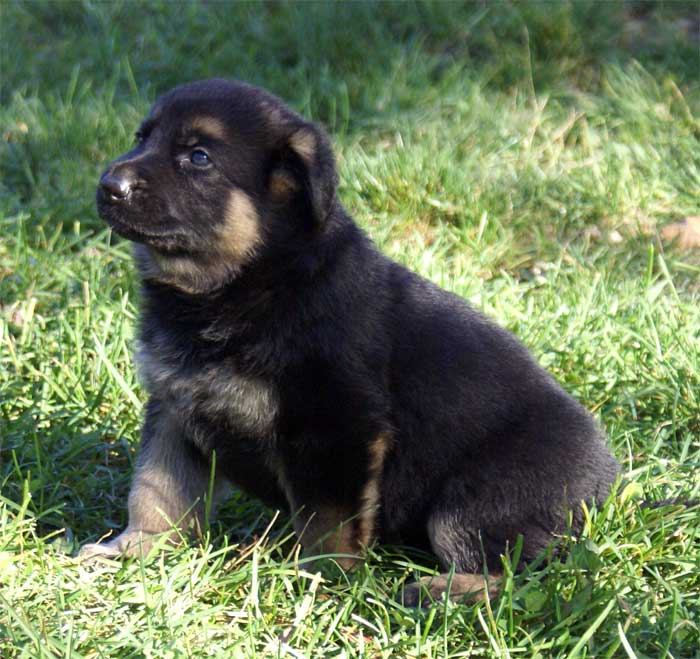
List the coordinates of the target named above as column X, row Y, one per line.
column 480, row 425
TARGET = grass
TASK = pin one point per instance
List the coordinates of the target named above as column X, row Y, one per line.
column 523, row 155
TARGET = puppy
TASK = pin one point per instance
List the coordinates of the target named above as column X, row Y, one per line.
column 284, row 354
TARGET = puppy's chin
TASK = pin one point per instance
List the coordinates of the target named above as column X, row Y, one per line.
column 170, row 244
column 196, row 274
column 164, row 240
column 203, row 266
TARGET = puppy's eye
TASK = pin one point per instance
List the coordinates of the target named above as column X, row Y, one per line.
column 138, row 137
column 199, row 158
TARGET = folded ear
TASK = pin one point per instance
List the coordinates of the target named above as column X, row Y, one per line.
column 307, row 165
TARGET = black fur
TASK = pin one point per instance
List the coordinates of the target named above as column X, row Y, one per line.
column 292, row 363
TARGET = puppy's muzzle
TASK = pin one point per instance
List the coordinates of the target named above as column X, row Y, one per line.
column 118, row 185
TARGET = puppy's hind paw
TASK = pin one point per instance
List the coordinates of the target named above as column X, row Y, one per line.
column 459, row 588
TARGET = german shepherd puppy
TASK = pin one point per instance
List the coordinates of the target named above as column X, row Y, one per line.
column 320, row 376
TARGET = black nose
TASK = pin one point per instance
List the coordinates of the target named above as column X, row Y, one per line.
column 117, row 186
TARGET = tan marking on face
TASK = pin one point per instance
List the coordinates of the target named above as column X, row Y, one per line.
column 304, row 143
column 208, row 127
column 237, row 242
column 371, row 495
column 240, row 235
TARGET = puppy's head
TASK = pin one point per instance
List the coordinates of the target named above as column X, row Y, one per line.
column 221, row 173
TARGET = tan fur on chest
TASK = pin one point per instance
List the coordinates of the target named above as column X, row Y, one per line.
column 218, row 392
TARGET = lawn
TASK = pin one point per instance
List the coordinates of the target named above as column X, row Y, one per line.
column 523, row 155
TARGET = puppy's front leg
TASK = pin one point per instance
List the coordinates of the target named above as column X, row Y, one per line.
column 335, row 516
column 327, row 529
column 168, row 488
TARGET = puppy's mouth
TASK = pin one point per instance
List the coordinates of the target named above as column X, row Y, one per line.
column 166, row 240
column 170, row 242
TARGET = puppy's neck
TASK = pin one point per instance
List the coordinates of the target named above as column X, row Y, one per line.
column 203, row 274
column 193, row 275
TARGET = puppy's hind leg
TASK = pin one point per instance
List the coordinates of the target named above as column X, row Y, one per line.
column 456, row 542
column 168, row 489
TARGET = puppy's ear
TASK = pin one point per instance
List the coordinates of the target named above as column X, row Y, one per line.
column 304, row 164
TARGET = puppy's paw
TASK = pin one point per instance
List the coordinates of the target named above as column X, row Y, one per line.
column 93, row 551
column 459, row 588
column 128, row 543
